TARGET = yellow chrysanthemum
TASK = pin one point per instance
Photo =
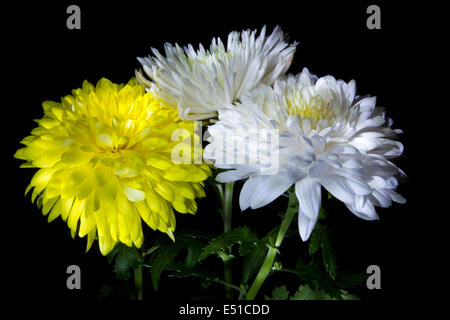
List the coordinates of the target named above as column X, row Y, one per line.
column 105, row 161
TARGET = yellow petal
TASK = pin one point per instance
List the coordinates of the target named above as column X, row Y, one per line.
column 109, row 190
column 104, row 140
column 66, row 206
column 134, row 195
column 85, row 189
column 56, row 211
column 74, row 216
column 87, row 219
column 91, row 238
column 164, row 189
column 101, row 175
column 179, row 204
column 106, row 244
column 75, row 157
column 48, row 205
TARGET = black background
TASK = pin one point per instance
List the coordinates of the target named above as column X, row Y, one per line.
column 45, row 61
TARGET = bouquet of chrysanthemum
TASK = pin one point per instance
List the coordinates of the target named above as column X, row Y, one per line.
column 110, row 156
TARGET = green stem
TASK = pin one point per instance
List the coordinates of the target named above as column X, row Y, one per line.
column 227, row 214
column 242, row 295
column 218, row 189
column 267, row 265
column 138, row 282
column 262, row 274
column 227, row 206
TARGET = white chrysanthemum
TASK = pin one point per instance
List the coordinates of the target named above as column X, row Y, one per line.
column 200, row 82
column 327, row 137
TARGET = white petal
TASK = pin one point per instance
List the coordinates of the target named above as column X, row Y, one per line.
column 395, row 196
column 319, row 169
column 269, row 188
column 363, row 209
column 364, row 143
column 367, row 104
column 295, row 174
column 301, row 160
column 308, row 192
column 319, row 144
column 232, row 175
column 247, row 191
column 204, row 79
column 358, row 186
column 305, row 225
column 381, row 198
column 338, row 187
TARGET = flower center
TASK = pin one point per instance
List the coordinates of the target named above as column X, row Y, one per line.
column 111, row 144
column 315, row 108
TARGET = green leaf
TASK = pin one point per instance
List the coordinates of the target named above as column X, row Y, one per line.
column 314, row 242
column 349, row 280
column 126, row 258
column 194, row 248
column 314, row 275
column 205, row 284
column 320, row 237
column 194, row 234
column 166, row 254
column 279, row 293
column 121, row 290
column 346, row 296
column 181, row 271
column 305, row 292
column 243, row 236
column 317, row 278
column 162, row 260
column 151, row 250
column 322, row 214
